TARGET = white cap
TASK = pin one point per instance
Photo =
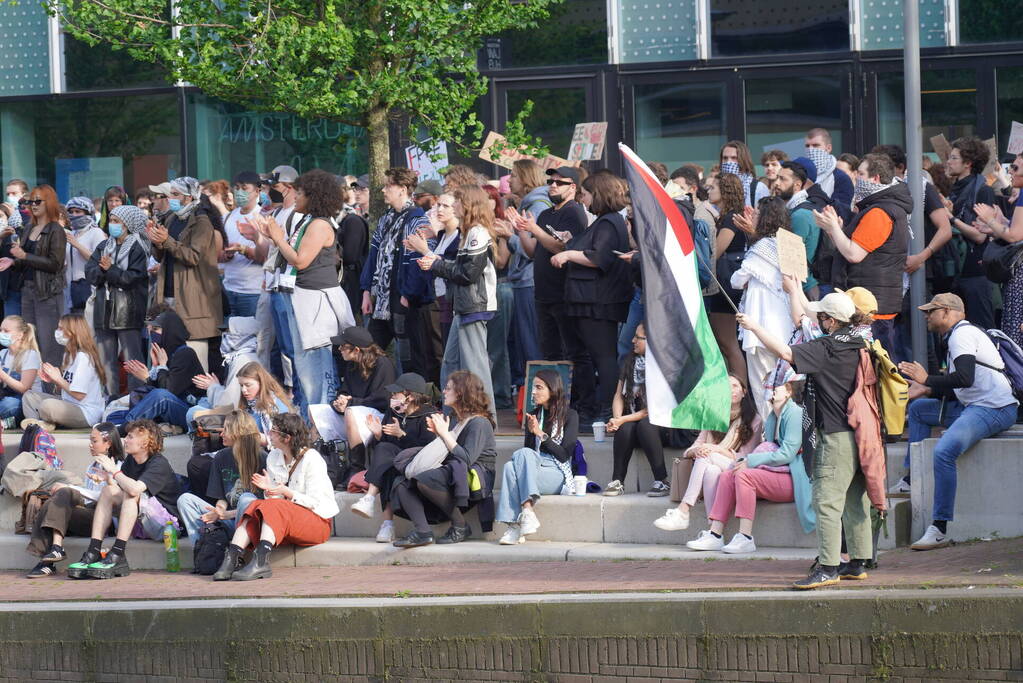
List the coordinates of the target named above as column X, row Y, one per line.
column 162, row 188
column 834, row 305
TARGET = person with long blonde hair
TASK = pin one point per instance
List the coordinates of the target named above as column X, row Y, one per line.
column 19, row 364
column 80, row 377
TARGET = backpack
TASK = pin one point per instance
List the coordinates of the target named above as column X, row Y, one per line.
column 208, row 549
column 892, row 389
column 38, row 440
column 208, row 433
column 339, row 469
column 1012, row 360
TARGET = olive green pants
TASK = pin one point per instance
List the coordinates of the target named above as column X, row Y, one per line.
column 840, row 499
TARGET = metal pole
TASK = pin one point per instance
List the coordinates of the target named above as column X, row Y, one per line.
column 914, row 169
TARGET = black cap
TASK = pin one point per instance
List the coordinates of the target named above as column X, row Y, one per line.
column 565, row 172
column 410, row 382
column 354, row 335
column 249, row 177
column 362, row 182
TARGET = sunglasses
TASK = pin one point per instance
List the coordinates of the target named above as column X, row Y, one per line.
column 562, row 183
column 159, row 196
column 32, row 202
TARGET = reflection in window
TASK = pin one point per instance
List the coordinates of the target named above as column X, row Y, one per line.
column 745, row 27
column 82, row 146
column 677, row 124
column 102, row 68
column 555, row 113
column 989, row 21
column 574, row 33
column 948, row 101
column 779, row 112
column 1010, row 101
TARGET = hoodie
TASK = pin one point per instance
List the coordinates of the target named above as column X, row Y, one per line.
column 182, row 362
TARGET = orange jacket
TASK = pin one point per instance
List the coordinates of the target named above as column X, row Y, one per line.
column 865, row 419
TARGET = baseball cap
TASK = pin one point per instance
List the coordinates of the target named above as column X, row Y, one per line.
column 808, row 166
column 354, row 335
column 409, row 381
column 565, row 172
column 281, row 174
column 947, row 301
column 863, row 299
column 362, row 181
column 430, row 187
column 162, row 188
column 246, row 177
column 834, row 305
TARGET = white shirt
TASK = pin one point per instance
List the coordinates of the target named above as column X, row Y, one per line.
column 241, row 275
column 991, row 389
column 29, row 361
column 309, row 482
column 440, row 286
column 83, row 378
column 90, row 239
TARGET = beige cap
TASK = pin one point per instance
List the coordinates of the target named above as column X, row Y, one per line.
column 162, row 188
column 947, row 301
column 863, row 299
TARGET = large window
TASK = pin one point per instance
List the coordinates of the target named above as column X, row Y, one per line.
column 990, row 21
column 81, row 146
column 779, row 112
column 1010, row 101
column 751, row 27
column 555, row 113
column 574, row 33
column 101, row 68
column 226, row 138
column 948, row 100
column 677, row 124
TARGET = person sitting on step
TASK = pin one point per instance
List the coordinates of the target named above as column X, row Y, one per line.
column 543, row 466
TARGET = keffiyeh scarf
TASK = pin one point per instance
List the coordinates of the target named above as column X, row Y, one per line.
column 865, row 188
column 745, row 178
column 189, row 187
column 134, row 220
column 825, row 164
column 388, row 249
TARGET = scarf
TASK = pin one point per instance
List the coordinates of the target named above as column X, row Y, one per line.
column 134, row 220
column 262, row 419
column 745, row 178
column 865, row 188
column 390, row 246
column 556, row 433
column 825, row 164
column 797, row 199
column 189, row 187
column 761, row 261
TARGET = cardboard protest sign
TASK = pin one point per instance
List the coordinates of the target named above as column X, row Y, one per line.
column 509, row 156
column 1015, row 138
column 588, row 142
column 418, row 159
column 941, row 147
column 792, row 255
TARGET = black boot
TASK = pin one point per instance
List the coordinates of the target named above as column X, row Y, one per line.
column 80, row 569
column 115, row 564
column 257, row 568
column 229, row 565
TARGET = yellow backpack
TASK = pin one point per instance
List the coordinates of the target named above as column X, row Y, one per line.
column 893, row 390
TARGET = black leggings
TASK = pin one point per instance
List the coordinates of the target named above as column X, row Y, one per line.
column 412, row 496
column 600, row 339
column 644, row 435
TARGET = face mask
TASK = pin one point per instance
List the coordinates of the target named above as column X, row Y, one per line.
column 115, row 230
column 276, row 197
column 555, row 198
column 174, row 204
column 398, row 405
column 5, row 339
column 264, row 198
column 60, row 337
column 79, row 222
column 156, row 337
column 865, row 188
column 12, row 200
column 241, row 198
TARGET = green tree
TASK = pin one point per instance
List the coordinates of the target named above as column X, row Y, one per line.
column 362, row 62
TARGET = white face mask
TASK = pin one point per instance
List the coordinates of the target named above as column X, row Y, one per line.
column 61, row 338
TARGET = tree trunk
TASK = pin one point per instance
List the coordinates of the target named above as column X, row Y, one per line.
column 379, row 159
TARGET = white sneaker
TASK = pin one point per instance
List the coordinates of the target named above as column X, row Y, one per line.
column 931, row 540
column 528, row 523
column 739, row 544
column 706, row 541
column 673, row 520
column 386, row 533
column 614, row 488
column 364, row 506
column 513, row 535
column 903, row 486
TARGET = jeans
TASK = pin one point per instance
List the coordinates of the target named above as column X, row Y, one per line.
column 314, row 368
column 525, row 344
column 12, row 304
column 527, row 476
column 159, row 405
column 884, row 332
column 497, row 345
column 191, row 507
column 467, row 350
column 10, row 406
column 628, row 330
column 280, row 309
column 966, row 425
column 241, row 305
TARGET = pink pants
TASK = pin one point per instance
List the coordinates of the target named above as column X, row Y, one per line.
column 740, row 492
column 705, row 477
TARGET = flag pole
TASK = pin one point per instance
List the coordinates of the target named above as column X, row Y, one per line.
column 714, row 277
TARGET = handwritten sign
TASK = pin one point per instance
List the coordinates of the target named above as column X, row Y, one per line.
column 588, row 142
column 1015, row 138
column 792, row 255
column 418, row 159
column 941, row 147
column 509, row 156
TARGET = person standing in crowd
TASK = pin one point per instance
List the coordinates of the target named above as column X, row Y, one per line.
column 598, row 287
column 220, row 196
column 848, row 163
column 445, row 229
column 161, row 201
column 730, row 245
column 117, row 271
column 20, row 366
column 186, row 247
column 298, row 505
column 393, row 287
column 114, row 197
column 983, row 404
column 144, row 200
column 426, row 193
column 498, row 327
column 82, row 239
column 735, row 159
column 991, row 220
column 472, row 279
column 353, row 238
column 838, row 188
column 794, row 179
column 38, row 257
column 871, row 249
column 243, row 258
column 11, row 221
column 771, row 160
column 360, row 194
column 543, row 466
column 840, row 499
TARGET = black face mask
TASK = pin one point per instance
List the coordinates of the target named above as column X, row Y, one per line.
column 275, row 197
column 555, row 198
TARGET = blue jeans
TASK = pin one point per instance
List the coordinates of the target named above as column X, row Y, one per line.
column 628, row 330
column 525, row 335
column 965, row 426
column 191, row 507
column 159, row 405
column 527, row 476
column 241, row 305
column 12, row 304
column 313, row 369
column 10, row 406
column 280, row 311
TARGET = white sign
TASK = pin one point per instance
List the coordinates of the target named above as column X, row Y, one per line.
column 1015, row 138
column 418, row 160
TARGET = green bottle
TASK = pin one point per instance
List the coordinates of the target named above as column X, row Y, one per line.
column 170, row 544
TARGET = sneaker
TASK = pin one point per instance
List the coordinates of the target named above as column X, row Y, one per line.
column 54, row 555
column 903, row 486
column 819, row 577
column 931, row 540
column 512, row 536
column 614, row 488
column 113, row 565
column 528, row 523
column 455, row 534
column 414, row 539
column 80, row 569
column 706, row 541
column 852, row 570
column 9, row 423
column 28, row 422
column 41, row 570
column 386, row 532
column 364, row 506
column 673, row 520
column 658, row 490
column 739, row 545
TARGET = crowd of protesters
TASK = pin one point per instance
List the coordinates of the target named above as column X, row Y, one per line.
column 269, row 298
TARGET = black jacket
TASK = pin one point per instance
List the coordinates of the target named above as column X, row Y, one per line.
column 121, row 293
column 414, row 426
column 562, row 451
column 182, row 362
column 370, row 391
column 610, row 282
column 47, row 261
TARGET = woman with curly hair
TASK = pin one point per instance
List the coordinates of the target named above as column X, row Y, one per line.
column 725, row 192
column 434, row 482
column 317, row 307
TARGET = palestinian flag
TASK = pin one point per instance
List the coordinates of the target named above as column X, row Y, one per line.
column 686, row 378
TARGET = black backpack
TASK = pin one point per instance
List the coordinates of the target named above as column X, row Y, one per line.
column 208, row 433
column 208, row 549
column 335, row 455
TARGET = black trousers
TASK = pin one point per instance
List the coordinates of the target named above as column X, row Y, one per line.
column 644, row 435
column 560, row 339
column 600, row 340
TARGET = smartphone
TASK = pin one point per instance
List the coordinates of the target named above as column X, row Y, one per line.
column 618, row 253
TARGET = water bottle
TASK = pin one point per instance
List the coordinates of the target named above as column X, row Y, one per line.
column 170, row 545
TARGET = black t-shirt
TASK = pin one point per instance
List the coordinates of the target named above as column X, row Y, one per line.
column 973, row 265
column 159, row 478
column 832, row 361
column 548, row 281
column 225, row 482
column 932, row 202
